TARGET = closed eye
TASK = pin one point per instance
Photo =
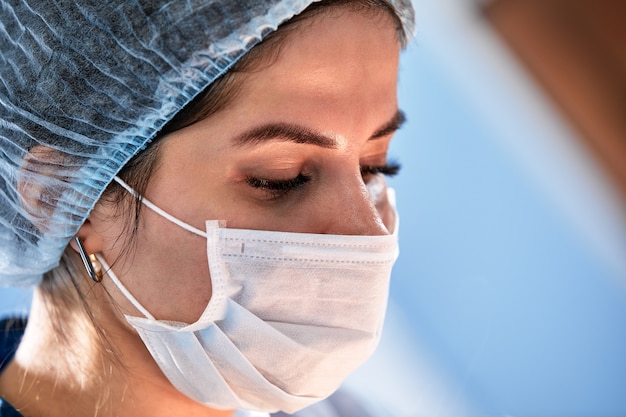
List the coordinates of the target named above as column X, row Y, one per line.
column 278, row 188
column 389, row 170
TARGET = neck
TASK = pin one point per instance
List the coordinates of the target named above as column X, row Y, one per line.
column 60, row 369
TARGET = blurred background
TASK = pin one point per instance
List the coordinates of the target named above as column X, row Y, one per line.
column 509, row 296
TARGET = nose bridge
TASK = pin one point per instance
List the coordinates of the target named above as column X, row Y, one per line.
column 355, row 213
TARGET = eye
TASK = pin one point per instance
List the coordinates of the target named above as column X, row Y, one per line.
column 278, row 188
column 390, row 169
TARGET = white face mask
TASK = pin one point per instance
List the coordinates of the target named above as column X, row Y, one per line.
column 290, row 316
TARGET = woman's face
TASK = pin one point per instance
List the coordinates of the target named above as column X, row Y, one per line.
column 285, row 155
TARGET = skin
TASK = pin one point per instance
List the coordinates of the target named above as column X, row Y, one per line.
column 336, row 76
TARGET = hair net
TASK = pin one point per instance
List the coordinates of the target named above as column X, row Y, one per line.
column 85, row 85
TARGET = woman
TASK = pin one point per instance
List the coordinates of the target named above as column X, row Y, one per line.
column 211, row 185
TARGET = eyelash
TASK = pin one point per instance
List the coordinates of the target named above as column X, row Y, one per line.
column 279, row 188
column 389, row 170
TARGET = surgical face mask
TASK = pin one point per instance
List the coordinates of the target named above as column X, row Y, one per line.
column 290, row 316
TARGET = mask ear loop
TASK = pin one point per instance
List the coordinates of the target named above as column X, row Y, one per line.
column 124, row 290
column 159, row 210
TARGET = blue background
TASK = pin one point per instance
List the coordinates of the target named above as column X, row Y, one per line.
column 509, row 296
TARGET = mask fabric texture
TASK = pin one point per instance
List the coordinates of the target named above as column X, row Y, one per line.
column 291, row 315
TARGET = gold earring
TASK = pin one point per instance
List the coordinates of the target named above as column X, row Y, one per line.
column 92, row 265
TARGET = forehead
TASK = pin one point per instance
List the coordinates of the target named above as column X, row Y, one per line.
column 346, row 38
column 333, row 73
column 346, row 60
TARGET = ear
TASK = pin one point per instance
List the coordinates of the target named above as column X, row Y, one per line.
column 92, row 241
column 39, row 184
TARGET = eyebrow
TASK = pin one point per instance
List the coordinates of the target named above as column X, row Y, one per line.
column 391, row 126
column 301, row 134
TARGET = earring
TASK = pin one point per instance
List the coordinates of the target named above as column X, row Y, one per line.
column 92, row 265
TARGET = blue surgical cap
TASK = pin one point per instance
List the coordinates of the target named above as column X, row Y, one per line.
column 86, row 84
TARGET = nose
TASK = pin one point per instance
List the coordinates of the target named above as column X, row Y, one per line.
column 353, row 212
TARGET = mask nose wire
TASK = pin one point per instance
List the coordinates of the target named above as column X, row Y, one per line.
column 158, row 210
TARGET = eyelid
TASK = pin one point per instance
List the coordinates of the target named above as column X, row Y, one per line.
column 278, row 188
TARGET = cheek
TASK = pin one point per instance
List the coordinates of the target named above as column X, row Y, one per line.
column 181, row 281
column 168, row 271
